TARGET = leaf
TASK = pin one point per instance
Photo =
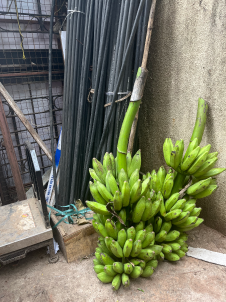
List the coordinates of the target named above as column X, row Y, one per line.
column 140, row 290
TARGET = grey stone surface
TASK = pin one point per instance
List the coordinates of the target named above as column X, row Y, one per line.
column 187, row 60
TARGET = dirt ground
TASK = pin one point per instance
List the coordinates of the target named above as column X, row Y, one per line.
column 33, row 279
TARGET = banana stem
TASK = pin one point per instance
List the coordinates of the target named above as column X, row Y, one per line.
column 200, row 120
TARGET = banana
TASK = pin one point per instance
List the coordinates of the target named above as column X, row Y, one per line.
column 138, row 210
column 189, row 222
column 118, row 267
column 152, row 263
column 144, row 177
column 95, row 193
column 191, row 201
column 151, row 221
column 99, row 169
column 179, row 153
column 173, row 156
column 135, row 163
column 160, row 237
column 147, row 272
column 146, row 254
column 134, row 178
column 190, row 159
column 188, row 207
column 99, row 228
column 183, row 236
column 113, row 167
column 181, row 219
column 116, row 249
column 128, row 268
column 96, row 262
column 166, row 249
column 184, row 249
column 137, row 271
column 145, row 186
column 98, row 269
column 179, row 204
column 107, row 162
column 147, row 211
column 153, row 181
column 198, row 187
column 191, row 147
column 137, row 247
column 116, row 167
column 136, row 261
column 160, row 256
column 179, row 241
column 104, row 278
column 208, row 191
column 208, row 165
column 213, row 172
column 149, row 228
column 175, row 246
column 172, row 235
column 172, row 214
column 135, row 192
column 122, row 237
column 167, row 187
column 170, row 202
column 155, row 208
column 205, row 149
column 148, row 239
column 125, row 280
column 104, row 192
column 108, row 241
column 156, row 248
column 106, row 259
column 131, row 233
column 122, row 215
column 98, row 250
column 166, row 226
column 180, row 253
column 108, row 269
column 125, row 194
column 167, row 149
column 98, row 257
column 94, row 175
column 116, row 282
column 157, row 224
column 139, row 226
column 111, row 229
column 128, row 160
column 196, row 212
column 161, row 174
column 117, row 201
column 140, row 235
column 189, row 228
column 111, row 182
column 122, row 176
column 128, row 246
column 172, row 257
column 198, row 163
column 212, row 155
column 96, row 218
column 104, row 248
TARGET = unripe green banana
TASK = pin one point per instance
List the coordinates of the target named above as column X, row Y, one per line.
column 128, row 246
column 161, row 174
column 108, row 269
column 128, row 268
column 147, row 272
column 113, row 167
column 196, row 212
column 128, row 160
column 192, row 145
column 166, row 248
column 111, row 229
column 98, row 250
column 157, row 224
column 104, row 192
column 183, row 236
column 140, row 235
column 213, row 172
column 179, row 153
column 135, row 163
column 199, row 186
column 134, row 178
column 125, row 280
column 155, row 208
column 137, row 271
column 156, row 248
column 189, row 228
column 96, row 262
column 146, row 254
column 205, row 149
column 118, row 267
column 180, row 253
column 111, row 183
column 166, row 226
column 139, row 226
column 179, row 204
column 190, row 159
column 108, row 241
column 116, row 168
column 148, row 239
column 107, row 162
column 106, row 259
column 160, row 237
column 131, row 233
column 144, row 177
column 138, row 210
column 94, row 175
column 160, row 257
column 198, row 163
column 153, row 181
column 172, row 257
column 103, row 277
column 212, row 155
column 149, row 228
column 189, row 222
column 125, row 194
column 137, row 247
column 118, row 225
column 96, row 218
column 167, row 148
column 188, row 207
column 172, row 214
column 122, row 176
column 104, row 248
column 99, row 228
column 98, row 269
column 184, row 249
column 191, row 201
column 145, row 186
column 152, row 195
column 116, row 282
column 152, row 263
column 135, row 192
column 122, row 237
column 167, row 187
column 162, row 209
column 95, row 193
column 116, row 249
column 136, row 261
column 174, row 246
column 151, row 221
column 173, row 156
column 99, row 170
column 172, row 235
column 147, row 211
column 208, row 191
column 171, row 201
column 181, row 219
column 122, row 215
column 117, row 201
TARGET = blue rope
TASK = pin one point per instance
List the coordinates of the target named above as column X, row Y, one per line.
column 68, row 213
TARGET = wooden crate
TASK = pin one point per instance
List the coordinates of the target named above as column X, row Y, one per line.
column 75, row 241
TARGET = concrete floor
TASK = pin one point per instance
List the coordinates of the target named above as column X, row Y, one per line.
column 33, row 279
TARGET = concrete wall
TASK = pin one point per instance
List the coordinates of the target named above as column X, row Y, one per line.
column 187, row 60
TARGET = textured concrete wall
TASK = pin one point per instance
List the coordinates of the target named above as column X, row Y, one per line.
column 187, row 60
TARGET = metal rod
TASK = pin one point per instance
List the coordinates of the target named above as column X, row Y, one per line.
column 22, row 74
